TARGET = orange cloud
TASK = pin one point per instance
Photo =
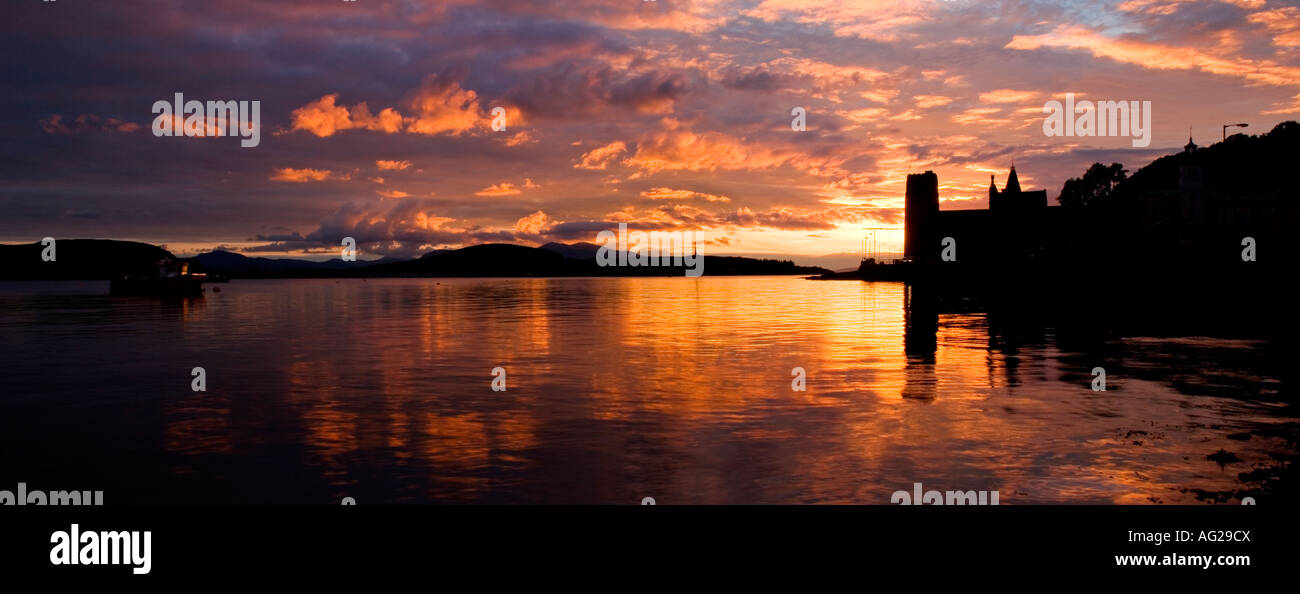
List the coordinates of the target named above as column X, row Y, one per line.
column 289, row 174
column 1281, row 107
column 520, row 138
column 671, row 194
column 928, row 101
column 1283, row 22
column 535, row 223
column 979, row 115
column 880, row 20
column 393, row 165
column 1007, row 96
column 437, row 107
column 866, row 114
column 1168, row 7
column 600, row 157
column 502, row 189
column 684, row 216
column 879, row 95
column 1158, row 57
column 323, row 117
column 444, row 108
column 679, row 149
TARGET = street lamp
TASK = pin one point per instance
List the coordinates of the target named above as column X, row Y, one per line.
column 1226, row 126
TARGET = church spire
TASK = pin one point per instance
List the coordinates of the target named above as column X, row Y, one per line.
column 1013, row 182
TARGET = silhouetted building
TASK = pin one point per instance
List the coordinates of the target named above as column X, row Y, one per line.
column 1013, row 228
column 1223, row 213
column 1012, row 197
column 1187, row 204
column 920, row 213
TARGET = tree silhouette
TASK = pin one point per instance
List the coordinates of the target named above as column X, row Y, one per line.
column 1094, row 188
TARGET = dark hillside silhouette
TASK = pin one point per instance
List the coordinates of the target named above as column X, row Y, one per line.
column 91, row 259
column 95, row 259
column 1207, row 229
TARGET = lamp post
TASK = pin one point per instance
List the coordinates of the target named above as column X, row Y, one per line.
column 872, row 239
column 1226, row 126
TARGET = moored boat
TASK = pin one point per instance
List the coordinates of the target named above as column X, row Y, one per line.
column 173, row 280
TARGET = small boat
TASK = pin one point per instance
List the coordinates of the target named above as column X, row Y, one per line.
column 173, row 280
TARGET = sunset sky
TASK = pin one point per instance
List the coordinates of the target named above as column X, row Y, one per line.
column 665, row 114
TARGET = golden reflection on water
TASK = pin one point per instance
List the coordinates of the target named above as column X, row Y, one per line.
column 680, row 389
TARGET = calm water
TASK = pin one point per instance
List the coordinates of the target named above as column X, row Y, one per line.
column 618, row 389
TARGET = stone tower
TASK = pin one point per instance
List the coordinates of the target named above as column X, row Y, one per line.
column 920, row 239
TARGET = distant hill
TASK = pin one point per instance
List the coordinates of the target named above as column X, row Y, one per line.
column 573, row 251
column 508, row 260
column 493, row 259
column 82, row 259
column 105, row 259
column 239, row 265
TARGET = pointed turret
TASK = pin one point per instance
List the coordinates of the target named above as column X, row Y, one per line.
column 1013, row 182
